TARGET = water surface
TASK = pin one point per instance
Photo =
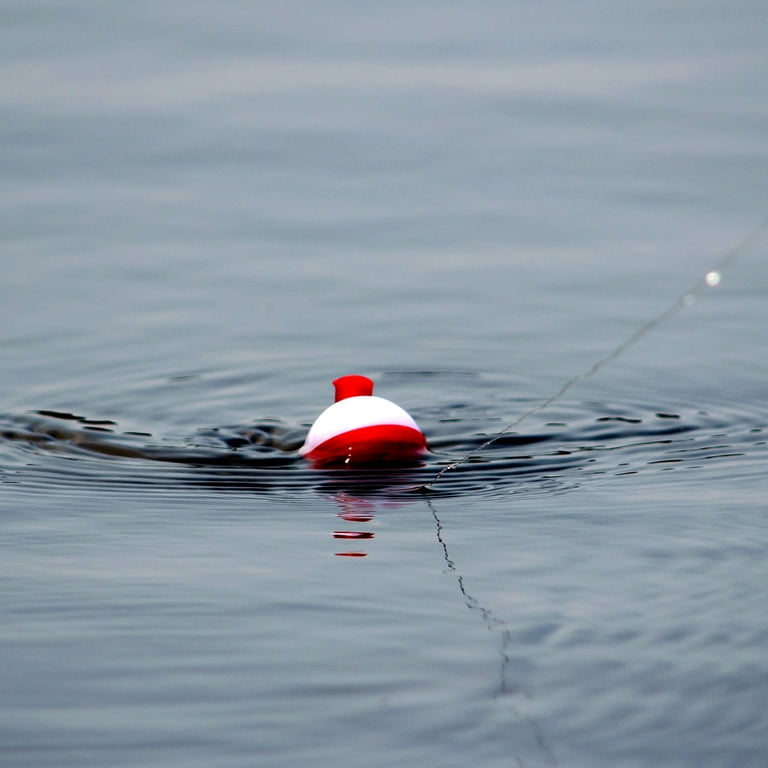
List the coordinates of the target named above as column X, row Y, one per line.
column 210, row 213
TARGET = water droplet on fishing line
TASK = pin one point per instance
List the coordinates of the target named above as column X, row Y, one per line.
column 712, row 278
column 689, row 300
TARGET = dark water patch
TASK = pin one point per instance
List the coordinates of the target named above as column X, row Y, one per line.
column 72, row 417
column 620, row 418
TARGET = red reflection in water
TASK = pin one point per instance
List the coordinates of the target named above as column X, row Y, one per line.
column 356, row 517
column 354, row 509
column 353, row 535
column 354, row 506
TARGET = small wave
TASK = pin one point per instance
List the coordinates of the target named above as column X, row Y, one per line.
column 66, row 450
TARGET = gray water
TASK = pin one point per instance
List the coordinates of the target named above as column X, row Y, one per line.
column 209, row 212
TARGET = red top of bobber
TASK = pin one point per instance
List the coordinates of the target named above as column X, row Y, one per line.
column 352, row 386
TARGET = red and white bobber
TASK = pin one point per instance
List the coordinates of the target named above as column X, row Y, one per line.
column 360, row 429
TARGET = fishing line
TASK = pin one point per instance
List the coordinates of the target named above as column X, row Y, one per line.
column 709, row 280
column 505, row 689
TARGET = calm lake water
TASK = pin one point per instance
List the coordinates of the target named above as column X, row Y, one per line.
column 210, row 212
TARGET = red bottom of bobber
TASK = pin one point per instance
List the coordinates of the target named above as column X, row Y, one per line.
column 367, row 446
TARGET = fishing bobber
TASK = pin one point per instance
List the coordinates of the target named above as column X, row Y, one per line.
column 360, row 429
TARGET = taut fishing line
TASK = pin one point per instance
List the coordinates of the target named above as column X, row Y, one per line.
column 710, row 279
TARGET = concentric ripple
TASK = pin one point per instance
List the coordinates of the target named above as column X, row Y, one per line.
column 562, row 449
